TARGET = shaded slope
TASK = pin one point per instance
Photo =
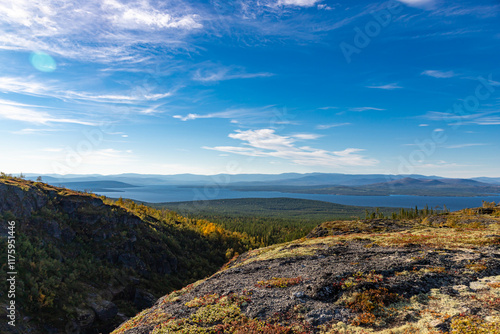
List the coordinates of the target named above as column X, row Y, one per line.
column 86, row 264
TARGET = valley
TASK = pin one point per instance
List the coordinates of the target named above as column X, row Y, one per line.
column 90, row 264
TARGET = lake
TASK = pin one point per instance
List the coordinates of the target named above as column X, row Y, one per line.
column 162, row 193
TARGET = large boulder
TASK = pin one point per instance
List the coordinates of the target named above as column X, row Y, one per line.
column 104, row 309
column 85, row 317
column 132, row 261
column 143, row 299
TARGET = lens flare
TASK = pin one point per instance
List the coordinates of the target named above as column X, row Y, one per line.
column 43, row 61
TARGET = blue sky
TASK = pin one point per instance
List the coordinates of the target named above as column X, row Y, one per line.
column 247, row 86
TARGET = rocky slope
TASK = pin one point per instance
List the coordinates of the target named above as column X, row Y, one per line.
column 439, row 274
column 85, row 264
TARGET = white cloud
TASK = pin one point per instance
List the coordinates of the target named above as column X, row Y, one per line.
column 30, row 86
column 390, row 86
column 143, row 16
column 332, row 125
column 115, row 32
column 37, row 117
column 134, row 97
column 438, row 74
column 479, row 11
column 464, row 145
column 28, row 113
column 214, row 73
column 483, row 118
column 23, row 86
column 306, row 136
column 190, row 117
column 299, row 3
column 249, row 114
column 266, row 143
column 359, row 109
column 325, row 7
column 100, row 31
column 418, row 3
column 491, row 120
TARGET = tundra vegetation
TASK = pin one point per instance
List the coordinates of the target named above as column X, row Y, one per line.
column 426, row 273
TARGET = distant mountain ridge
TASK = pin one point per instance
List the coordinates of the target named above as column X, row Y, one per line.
column 402, row 186
column 312, row 183
column 308, row 179
column 107, row 186
column 408, row 181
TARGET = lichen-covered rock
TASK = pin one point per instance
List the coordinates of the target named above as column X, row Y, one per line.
column 402, row 280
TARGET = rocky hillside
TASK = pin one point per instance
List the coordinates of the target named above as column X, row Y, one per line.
column 86, row 264
column 438, row 274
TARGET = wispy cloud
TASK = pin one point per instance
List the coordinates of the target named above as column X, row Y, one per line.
column 141, row 15
column 360, row 109
column 306, row 136
column 483, row 118
column 27, row 86
column 331, row 125
column 30, row 86
column 390, row 86
column 29, row 115
column 221, row 73
column 419, row 3
column 488, row 120
column 29, row 131
column 102, row 31
column 465, row 145
column 114, row 98
column 439, row 74
column 114, row 32
column 263, row 21
column 249, row 114
column 299, row 3
column 456, row 9
column 266, row 143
